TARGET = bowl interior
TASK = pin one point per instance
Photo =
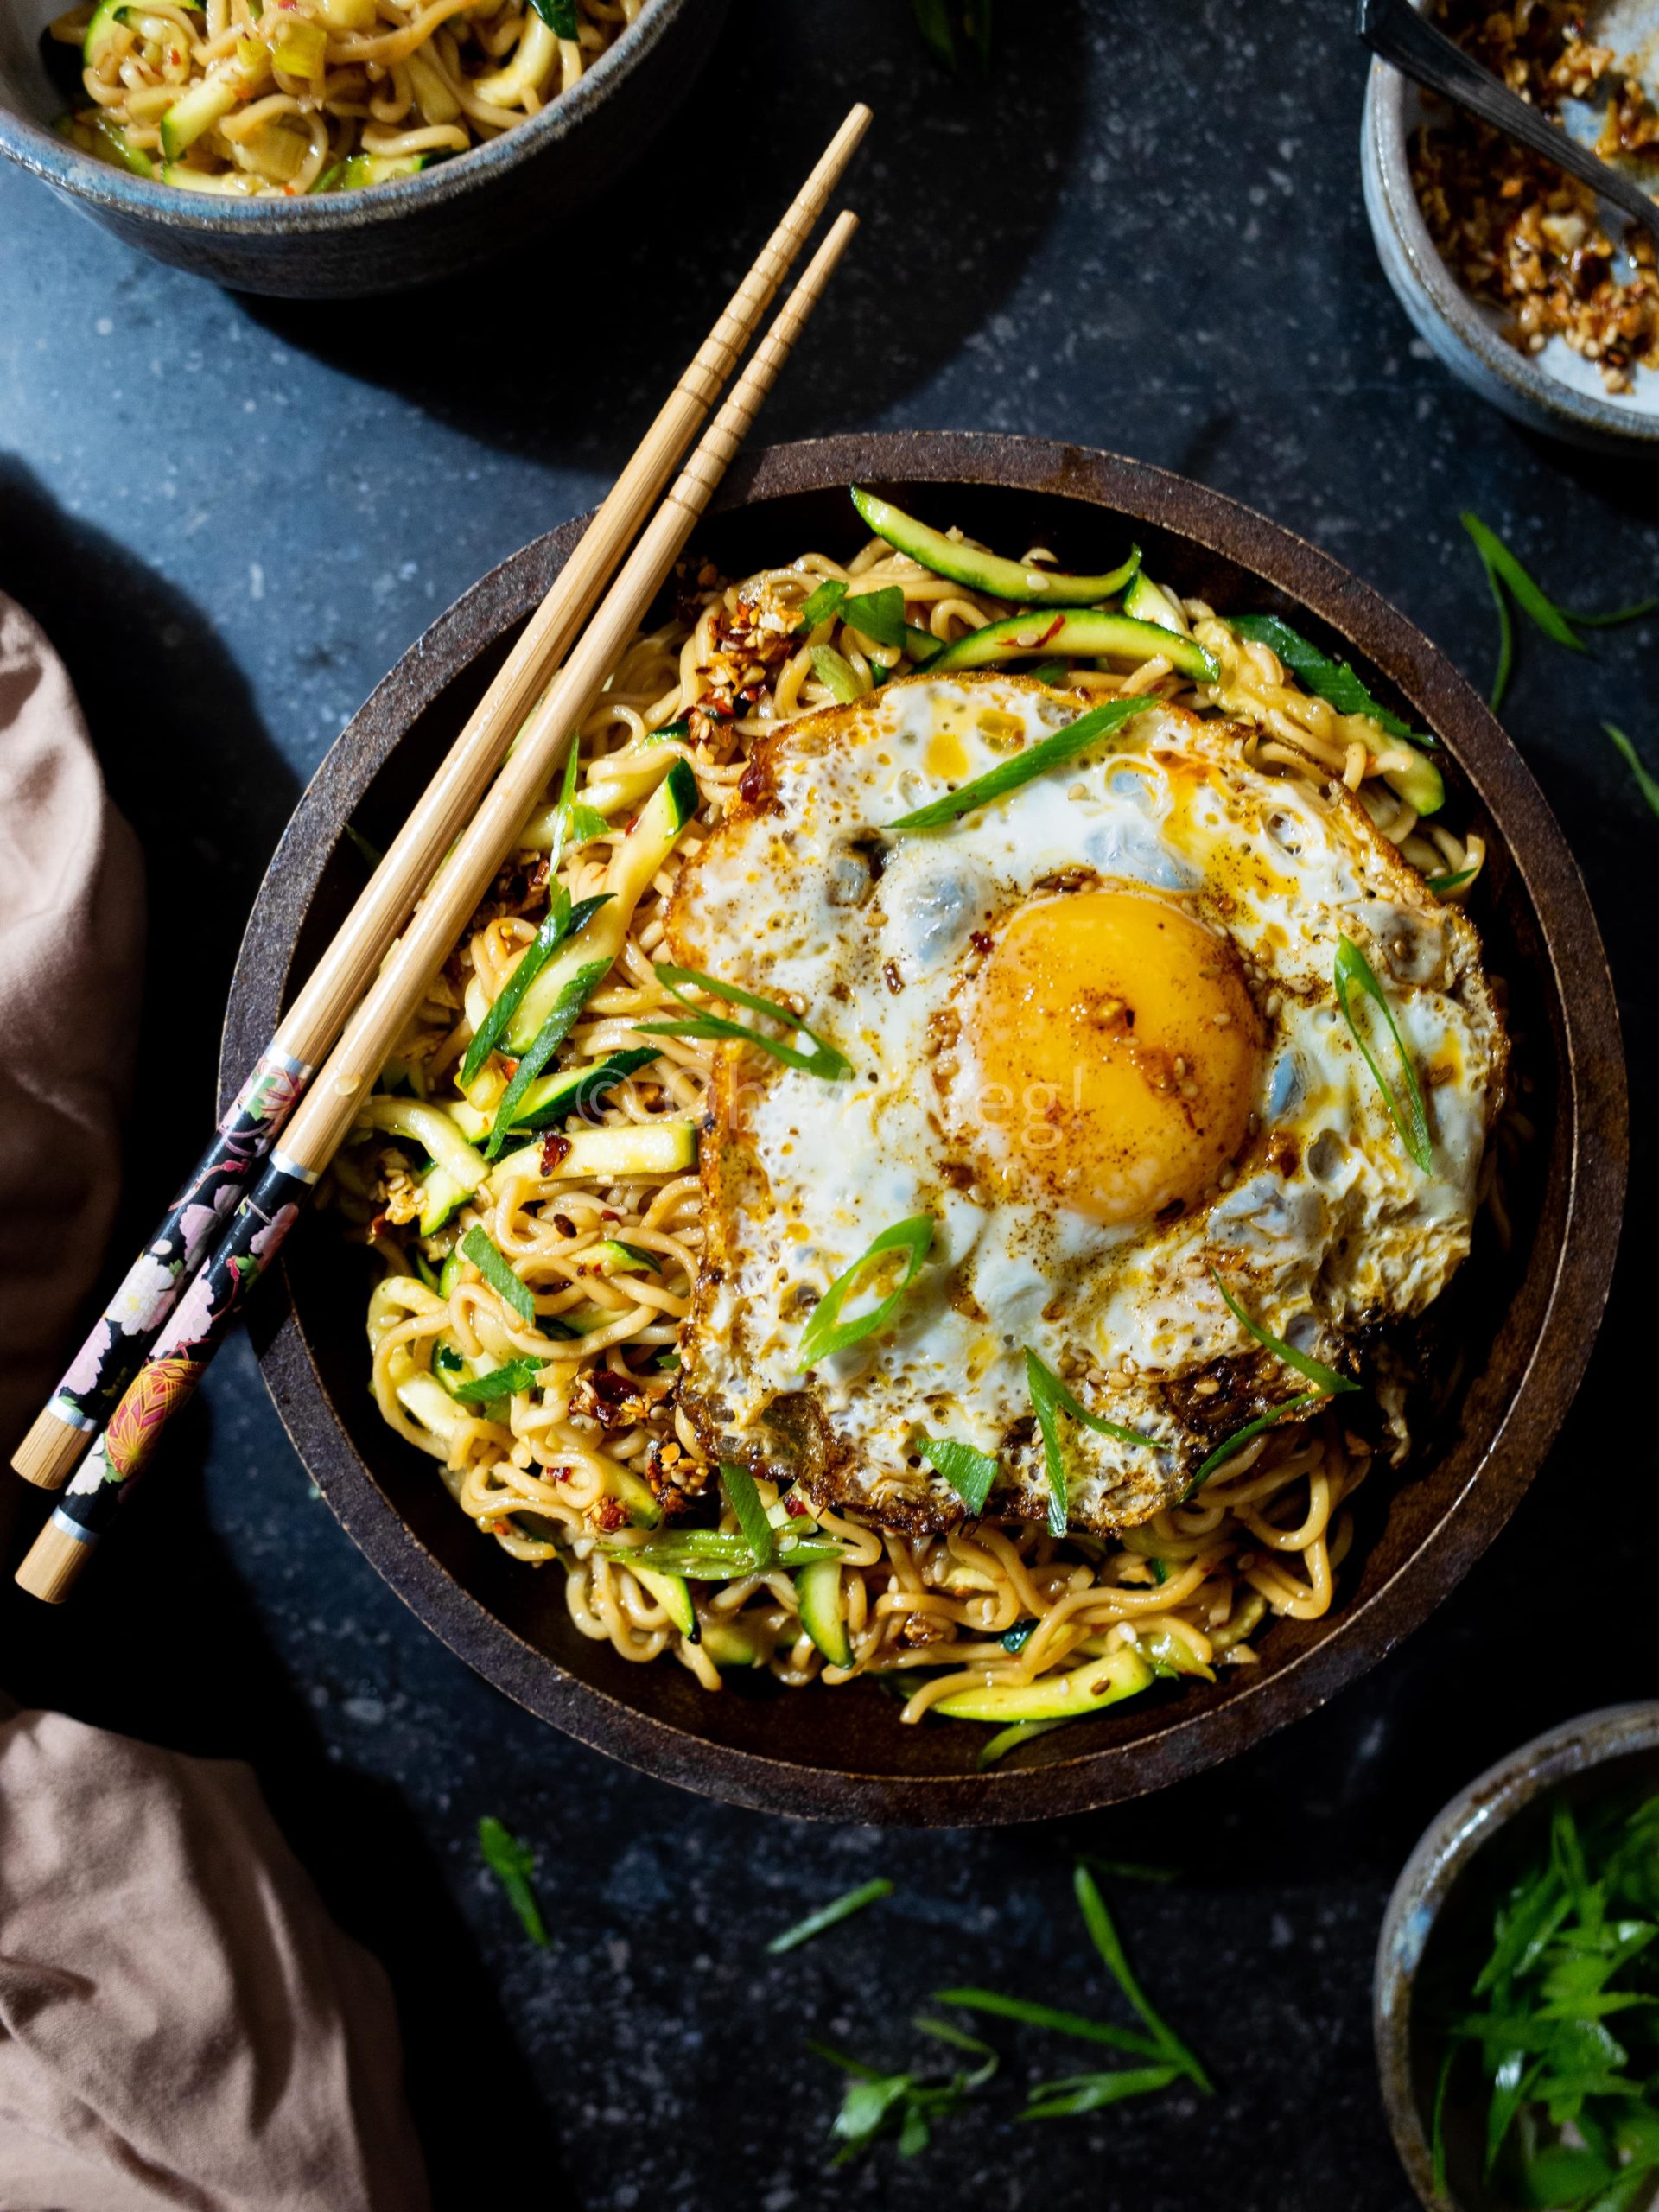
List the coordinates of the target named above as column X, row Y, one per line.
column 1494, row 1848
column 1420, row 1529
column 26, row 88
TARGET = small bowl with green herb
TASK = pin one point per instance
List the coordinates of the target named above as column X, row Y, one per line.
column 1517, row 1980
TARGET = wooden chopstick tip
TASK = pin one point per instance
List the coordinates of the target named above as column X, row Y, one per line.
column 48, row 1455
column 51, row 1565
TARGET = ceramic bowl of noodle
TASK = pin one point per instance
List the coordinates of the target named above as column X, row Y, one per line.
column 695, row 1344
column 339, row 147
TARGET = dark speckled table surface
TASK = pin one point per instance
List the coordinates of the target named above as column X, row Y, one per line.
column 233, row 514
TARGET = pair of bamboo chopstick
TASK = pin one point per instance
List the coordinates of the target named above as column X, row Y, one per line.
column 152, row 1344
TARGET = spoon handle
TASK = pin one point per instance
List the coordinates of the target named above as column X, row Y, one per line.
column 1397, row 33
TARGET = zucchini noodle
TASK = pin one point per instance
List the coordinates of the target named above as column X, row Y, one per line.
column 269, row 99
column 586, row 1458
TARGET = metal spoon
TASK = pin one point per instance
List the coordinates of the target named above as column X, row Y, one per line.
column 1398, row 34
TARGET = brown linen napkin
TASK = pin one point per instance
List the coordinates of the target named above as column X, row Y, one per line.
column 71, row 936
column 181, row 2024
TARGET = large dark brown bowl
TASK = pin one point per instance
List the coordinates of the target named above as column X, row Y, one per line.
column 1524, row 1321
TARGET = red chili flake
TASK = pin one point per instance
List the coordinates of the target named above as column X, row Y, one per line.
column 981, row 940
column 606, row 1214
column 380, row 1225
column 1054, row 629
column 512, row 1067
column 555, row 1149
column 795, row 1506
column 628, row 827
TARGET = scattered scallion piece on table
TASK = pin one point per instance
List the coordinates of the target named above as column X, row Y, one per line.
column 476, row 1246
column 1312, row 1370
column 1506, row 579
column 826, row 1333
column 1130, row 1870
column 1645, row 783
column 1035, row 760
column 970, row 1473
column 823, row 1060
column 1333, row 681
column 831, row 1914
column 745, row 1500
column 1353, row 971
column 1049, row 1398
column 512, row 1863
column 904, row 2105
column 1104, row 1936
column 933, row 19
column 1053, row 2017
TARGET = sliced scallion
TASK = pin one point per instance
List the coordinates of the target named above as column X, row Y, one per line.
column 1644, row 782
column 1224, row 1451
column 1051, row 2017
column 830, row 1916
column 1354, row 971
column 1439, row 885
column 970, row 1473
column 1049, row 1398
column 878, row 614
column 1104, row 1936
column 1035, row 760
column 499, row 1273
column 1311, row 1369
column 1333, row 681
column 745, row 1500
column 547, row 1040
column 563, row 920
column 500, row 1382
column 822, row 604
column 823, row 1060
column 826, row 1333
column 512, row 1863
column 836, row 670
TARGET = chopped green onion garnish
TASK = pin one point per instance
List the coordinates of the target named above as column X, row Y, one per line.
column 970, row 1473
column 548, row 1038
column 835, row 670
column 563, row 920
column 1224, row 1451
column 1017, row 1637
column 1410, row 1117
column 498, row 1272
column 1104, row 1936
column 745, row 1500
column 1050, row 671
column 559, row 15
column 1035, row 760
column 824, row 1060
column 1049, row 1398
column 1333, row 681
column 1326, row 1377
column 512, row 1863
column 829, row 1916
column 878, row 614
column 1439, row 885
column 1051, row 2017
column 1644, row 783
column 822, row 604
column 1081, row 2093
column 502, row 1382
column 1160, row 1572
column 826, row 1333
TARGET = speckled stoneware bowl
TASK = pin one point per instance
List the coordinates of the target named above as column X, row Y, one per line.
column 1555, row 392
column 1525, row 1322
column 1427, row 1938
column 457, row 213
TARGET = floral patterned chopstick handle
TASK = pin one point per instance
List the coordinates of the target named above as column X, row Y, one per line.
column 93, row 1385
column 167, row 1381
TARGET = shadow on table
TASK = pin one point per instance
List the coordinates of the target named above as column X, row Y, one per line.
column 565, row 354
column 161, row 1625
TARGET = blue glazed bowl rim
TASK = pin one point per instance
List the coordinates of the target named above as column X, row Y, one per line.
column 40, row 150
column 1543, row 398
column 1462, row 1828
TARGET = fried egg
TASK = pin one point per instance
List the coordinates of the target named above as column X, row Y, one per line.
column 1094, row 1036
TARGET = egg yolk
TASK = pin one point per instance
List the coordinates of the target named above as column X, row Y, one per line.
column 1116, row 1050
